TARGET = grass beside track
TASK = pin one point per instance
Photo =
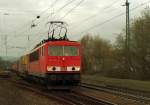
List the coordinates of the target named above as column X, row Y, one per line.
column 126, row 83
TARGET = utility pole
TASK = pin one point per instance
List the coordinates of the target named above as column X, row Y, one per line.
column 28, row 43
column 127, row 42
column 127, row 25
column 5, row 42
column 5, row 37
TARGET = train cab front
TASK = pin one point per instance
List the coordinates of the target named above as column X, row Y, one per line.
column 64, row 63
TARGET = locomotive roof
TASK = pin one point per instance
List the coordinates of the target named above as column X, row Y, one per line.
column 56, row 42
column 51, row 40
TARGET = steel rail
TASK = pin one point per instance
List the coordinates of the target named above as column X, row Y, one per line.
column 65, row 97
column 81, row 99
column 118, row 91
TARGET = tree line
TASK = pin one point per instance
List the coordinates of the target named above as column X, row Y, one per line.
column 103, row 58
column 5, row 64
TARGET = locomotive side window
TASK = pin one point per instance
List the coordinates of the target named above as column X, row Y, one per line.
column 34, row 56
column 42, row 51
column 62, row 51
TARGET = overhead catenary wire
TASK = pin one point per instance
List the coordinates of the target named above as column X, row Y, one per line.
column 117, row 16
column 111, row 4
column 114, row 17
column 97, row 25
column 29, row 23
column 65, row 5
column 51, row 6
column 103, row 9
column 35, row 41
column 60, row 9
column 96, row 14
column 68, row 11
column 81, row 1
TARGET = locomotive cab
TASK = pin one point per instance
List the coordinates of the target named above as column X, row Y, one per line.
column 63, row 62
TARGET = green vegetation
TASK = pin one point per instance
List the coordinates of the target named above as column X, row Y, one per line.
column 105, row 59
column 126, row 83
column 4, row 63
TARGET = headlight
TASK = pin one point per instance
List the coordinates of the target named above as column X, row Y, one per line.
column 49, row 68
column 73, row 68
column 53, row 68
column 77, row 68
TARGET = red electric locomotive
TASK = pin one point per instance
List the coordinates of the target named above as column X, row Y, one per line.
column 54, row 61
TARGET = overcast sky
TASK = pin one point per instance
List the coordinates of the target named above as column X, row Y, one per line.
column 16, row 17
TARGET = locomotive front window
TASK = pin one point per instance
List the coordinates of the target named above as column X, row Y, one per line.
column 70, row 51
column 62, row 51
column 55, row 50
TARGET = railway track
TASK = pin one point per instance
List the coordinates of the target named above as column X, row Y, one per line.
column 64, row 97
column 76, row 98
column 80, row 99
column 128, row 93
